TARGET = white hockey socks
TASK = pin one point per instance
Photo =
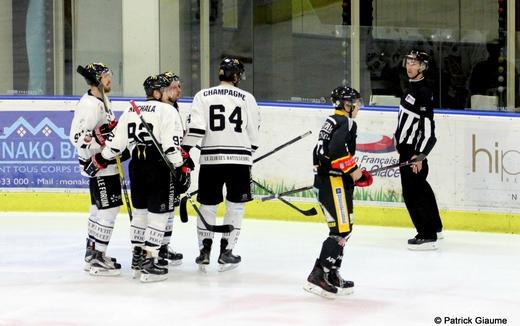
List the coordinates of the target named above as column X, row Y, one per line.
column 92, row 219
column 234, row 215
column 104, row 227
column 209, row 212
column 138, row 226
column 169, row 229
column 154, row 234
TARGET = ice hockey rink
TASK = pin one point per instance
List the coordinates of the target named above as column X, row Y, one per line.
column 473, row 275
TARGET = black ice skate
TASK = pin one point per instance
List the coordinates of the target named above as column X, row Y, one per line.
column 344, row 287
column 100, row 265
column 203, row 259
column 318, row 283
column 89, row 252
column 174, row 258
column 419, row 244
column 151, row 271
column 227, row 261
column 138, row 255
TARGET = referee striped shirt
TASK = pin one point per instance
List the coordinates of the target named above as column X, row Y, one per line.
column 415, row 126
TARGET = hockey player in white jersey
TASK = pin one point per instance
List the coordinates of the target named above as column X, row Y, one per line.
column 152, row 183
column 166, row 252
column 226, row 120
column 91, row 127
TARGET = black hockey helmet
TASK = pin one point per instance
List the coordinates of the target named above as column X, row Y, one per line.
column 93, row 72
column 156, row 82
column 229, row 67
column 170, row 76
column 342, row 94
column 417, row 55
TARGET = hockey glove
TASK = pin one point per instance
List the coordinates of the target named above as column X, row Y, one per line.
column 94, row 164
column 365, row 180
column 182, row 180
column 187, row 161
column 104, row 132
column 344, row 164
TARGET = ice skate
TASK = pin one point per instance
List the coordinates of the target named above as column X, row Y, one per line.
column 151, row 271
column 344, row 287
column 174, row 258
column 89, row 252
column 138, row 255
column 227, row 261
column 418, row 244
column 100, row 265
column 203, row 259
column 317, row 283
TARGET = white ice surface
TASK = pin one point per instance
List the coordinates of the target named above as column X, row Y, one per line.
column 42, row 281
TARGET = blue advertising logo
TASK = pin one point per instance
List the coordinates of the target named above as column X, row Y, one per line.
column 35, row 151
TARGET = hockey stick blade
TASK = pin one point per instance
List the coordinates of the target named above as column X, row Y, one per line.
column 183, row 210
column 309, row 212
column 286, row 193
column 213, row 228
column 226, row 228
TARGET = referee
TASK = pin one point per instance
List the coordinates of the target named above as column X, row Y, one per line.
column 414, row 139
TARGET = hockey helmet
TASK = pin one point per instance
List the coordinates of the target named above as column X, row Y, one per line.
column 156, row 82
column 421, row 57
column 93, row 72
column 170, row 76
column 342, row 94
column 229, row 67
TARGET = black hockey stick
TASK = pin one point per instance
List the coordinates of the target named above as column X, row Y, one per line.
column 212, row 228
column 309, row 212
column 287, row 193
column 398, row 165
column 183, row 213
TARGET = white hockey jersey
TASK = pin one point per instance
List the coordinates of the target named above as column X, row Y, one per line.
column 165, row 122
column 90, row 113
column 227, row 120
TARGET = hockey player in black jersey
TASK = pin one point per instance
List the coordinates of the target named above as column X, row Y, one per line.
column 414, row 138
column 336, row 175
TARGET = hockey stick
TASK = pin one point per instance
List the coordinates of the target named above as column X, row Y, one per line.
column 125, row 189
column 120, row 168
column 183, row 213
column 286, row 193
column 83, row 72
column 212, row 228
column 309, row 212
column 398, row 165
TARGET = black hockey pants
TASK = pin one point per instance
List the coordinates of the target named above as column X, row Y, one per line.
column 420, row 200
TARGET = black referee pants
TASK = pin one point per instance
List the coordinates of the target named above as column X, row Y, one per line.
column 420, row 200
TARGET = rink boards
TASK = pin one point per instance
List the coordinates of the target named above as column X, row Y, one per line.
column 474, row 166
